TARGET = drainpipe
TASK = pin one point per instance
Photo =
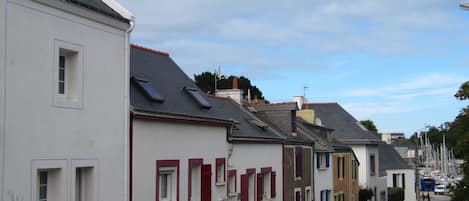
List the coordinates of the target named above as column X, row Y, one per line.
column 127, row 146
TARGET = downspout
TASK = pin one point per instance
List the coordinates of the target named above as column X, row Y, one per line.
column 128, row 121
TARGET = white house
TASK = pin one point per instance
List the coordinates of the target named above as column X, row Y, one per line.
column 397, row 171
column 178, row 137
column 364, row 143
column 254, row 155
column 63, row 100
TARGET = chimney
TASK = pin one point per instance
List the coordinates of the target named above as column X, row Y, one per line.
column 300, row 100
column 235, row 83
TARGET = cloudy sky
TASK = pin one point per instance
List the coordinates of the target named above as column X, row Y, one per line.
column 396, row 62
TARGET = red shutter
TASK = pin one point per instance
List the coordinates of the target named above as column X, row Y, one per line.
column 206, row 183
column 260, row 186
column 272, row 185
column 244, row 187
column 299, row 161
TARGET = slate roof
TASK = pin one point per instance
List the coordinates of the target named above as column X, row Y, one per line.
column 165, row 76
column 100, row 7
column 314, row 132
column 273, row 111
column 389, row 159
column 403, row 143
column 346, row 128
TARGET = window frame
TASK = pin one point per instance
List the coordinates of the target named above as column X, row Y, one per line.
column 220, row 162
column 232, row 176
column 73, row 53
column 193, row 162
column 76, row 164
column 168, row 166
column 372, row 164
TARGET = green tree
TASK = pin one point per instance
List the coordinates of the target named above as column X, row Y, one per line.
column 370, row 125
column 395, row 194
column 365, row 194
column 206, row 82
column 463, row 92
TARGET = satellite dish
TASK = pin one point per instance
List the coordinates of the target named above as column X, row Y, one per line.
column 318, row 121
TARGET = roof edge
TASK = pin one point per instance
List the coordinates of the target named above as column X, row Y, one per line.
column 150, row 50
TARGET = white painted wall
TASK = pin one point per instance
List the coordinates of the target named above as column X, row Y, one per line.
column 366, row 180
column 2, row 88
column 323, row 178
column 409, row 190
column 35, row 129
column 257, row 156
column 155, row 140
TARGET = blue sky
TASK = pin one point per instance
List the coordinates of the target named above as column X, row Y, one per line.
column 396, row 62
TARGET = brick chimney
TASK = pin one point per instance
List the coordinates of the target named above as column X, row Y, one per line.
column 235, row 83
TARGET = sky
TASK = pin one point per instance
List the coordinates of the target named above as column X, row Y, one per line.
column 396, row 62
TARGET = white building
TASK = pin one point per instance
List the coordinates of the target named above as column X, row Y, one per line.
column 397, row 171
column 63, row 100
column 364, row 143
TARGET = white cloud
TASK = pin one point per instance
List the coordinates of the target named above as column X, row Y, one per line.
column 433, row 84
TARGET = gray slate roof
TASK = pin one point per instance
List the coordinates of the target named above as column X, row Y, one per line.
column 316, row 134
column 278, row 116
column 389, row 159
column 169, row 81
column 100, row 7
column 346, row 128
column 244, row 128
column 403, row 143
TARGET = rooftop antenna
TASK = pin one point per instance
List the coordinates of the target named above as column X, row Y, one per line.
column 304, row 91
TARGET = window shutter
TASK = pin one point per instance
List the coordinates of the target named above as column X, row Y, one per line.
column 260, row 186
column 318, row 160
column 322, row 195
column 327, row 195
column 327, row 159
column 297, row 196
column 394, row 180
column 273, row 191
column 244, row 187
column 403, row 181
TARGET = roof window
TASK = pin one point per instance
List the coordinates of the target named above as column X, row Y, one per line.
column 258, row 123
column 149, row 91
column 198, row 97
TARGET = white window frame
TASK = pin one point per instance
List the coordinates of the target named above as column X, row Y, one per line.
column 267, row 185
column 231, row 185
column 74, row 75
column 172, row 171
column 294, row 194
column 59, row 167
column 308, row 197
column 92, row 189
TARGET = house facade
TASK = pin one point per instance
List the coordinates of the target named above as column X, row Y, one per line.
column 364, row 144
column 61, row 138
column 298, row 151
column 345, row 174
column 397, row 171
column 178, row 136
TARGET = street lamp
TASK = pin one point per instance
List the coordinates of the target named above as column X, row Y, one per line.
column 464, row 5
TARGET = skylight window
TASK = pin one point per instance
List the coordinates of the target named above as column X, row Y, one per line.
column 258, row 123
column 198, row 97
column 150, row 92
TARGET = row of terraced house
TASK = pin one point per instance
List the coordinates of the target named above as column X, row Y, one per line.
column 87, row 116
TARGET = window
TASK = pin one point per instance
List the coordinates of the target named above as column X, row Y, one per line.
column 308, row 194
column 167, row 180
column 195, row 175
column 148, row 89
column 268, row 183
column 68, row 74
column 325, row 195
column 42, row 191
column 322, row 160
column 220, row 171
column 198, row 97
column 298, row 194
column 48, row 180
column 298, row 162
column 231, row 182
column 84, row 180
column 248, row 190
column 340, row 167
column 372, row 165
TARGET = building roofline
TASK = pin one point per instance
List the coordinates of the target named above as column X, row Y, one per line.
column 162, row 53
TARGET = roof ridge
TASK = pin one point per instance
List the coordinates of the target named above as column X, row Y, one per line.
column 149, row 50
column 272, row 104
